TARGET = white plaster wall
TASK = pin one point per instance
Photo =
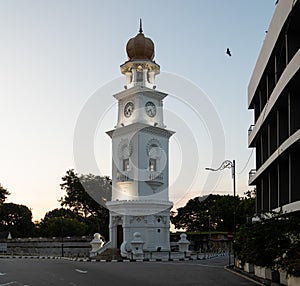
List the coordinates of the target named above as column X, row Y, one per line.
column 282, row 11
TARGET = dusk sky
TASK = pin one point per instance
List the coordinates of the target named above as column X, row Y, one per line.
column 55, row 55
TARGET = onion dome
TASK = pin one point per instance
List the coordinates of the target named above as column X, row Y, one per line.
column 140, row 47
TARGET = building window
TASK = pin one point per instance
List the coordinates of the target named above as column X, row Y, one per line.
column 126, row 165
column 152, row 165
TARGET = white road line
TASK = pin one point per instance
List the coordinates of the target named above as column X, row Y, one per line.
column 1, row 274
column 80, row 271
column 9, row 283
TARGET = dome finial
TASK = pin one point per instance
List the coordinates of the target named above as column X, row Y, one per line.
column 141, row 28
column 140, row 47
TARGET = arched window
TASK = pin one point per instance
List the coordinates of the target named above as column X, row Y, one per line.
column 154, row 156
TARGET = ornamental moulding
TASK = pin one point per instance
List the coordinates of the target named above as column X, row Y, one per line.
column 140, row 127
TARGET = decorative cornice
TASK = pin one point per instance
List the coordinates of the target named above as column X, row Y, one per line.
column 158, row 131
column 137, row 64
column 142, row 90
column 140, row 127
column 139, row 207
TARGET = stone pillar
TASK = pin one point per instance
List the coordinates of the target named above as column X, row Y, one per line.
column 184, row 244
column 97, row 243
column 137, row 245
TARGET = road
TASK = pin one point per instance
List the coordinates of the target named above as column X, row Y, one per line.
column 40, row 272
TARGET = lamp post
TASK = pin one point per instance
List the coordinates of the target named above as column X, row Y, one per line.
column 209, row 233
column 62, row 236
column 230, row 165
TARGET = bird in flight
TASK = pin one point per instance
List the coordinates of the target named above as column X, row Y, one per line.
column 228, row 52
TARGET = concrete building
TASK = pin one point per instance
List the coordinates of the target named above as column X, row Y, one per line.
column 274, row 95
column 140, row 206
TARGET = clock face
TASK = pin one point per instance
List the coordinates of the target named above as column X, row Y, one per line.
column 150, row 109
column 128, row 109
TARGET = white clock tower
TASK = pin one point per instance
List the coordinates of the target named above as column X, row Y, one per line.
column 140, row 206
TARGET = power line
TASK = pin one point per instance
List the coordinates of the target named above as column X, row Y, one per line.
column 246, row 162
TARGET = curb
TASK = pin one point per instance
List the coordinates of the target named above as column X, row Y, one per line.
column 245, row 275
column 107, row 260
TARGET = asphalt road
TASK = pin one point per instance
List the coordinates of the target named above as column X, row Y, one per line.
column 39, row 272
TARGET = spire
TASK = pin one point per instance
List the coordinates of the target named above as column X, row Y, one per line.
column 141, row 28
column 140, row 47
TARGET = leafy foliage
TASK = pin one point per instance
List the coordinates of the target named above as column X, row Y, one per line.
column 85, row 196
column 62, row 226
column 290, row 259
column 62, row 212
column 17, row 219
column 66, row 222
column 273, row 242
column 215, row 212
column 3, row 194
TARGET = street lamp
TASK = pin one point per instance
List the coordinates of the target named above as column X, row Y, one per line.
column 230, row 165
column 62, row 235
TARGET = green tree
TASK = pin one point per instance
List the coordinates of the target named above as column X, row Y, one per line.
column 86, row 195
column 3, row 194
column 61, row 212
column 274, row 242
column 17, row 219
column 64, row 222
column 62, row 226
column 246, row 207
column 214, row 212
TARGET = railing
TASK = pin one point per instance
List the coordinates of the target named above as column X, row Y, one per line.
column 250, row 129
column 156, row 176
column 123, row 177
column 176, row 255
column 101, row 250
column 153, row 176
column 252, row 174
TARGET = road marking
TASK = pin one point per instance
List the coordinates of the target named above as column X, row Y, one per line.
column 1, row 274
column 80, row 271
column 9, row 283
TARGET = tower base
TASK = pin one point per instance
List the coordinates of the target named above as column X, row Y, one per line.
column 138, row 226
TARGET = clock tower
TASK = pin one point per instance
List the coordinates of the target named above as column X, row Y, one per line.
column 140, row 206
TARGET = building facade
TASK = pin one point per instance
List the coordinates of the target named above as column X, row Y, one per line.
column 140, row 206
column 274, row 95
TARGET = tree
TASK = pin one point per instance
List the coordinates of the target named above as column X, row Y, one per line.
column 86, row 195
column 62, row 226
column 215, row 212
column 246, row 207
column 17, row 219
column 62, row 222
column 61, row 212
column 3, row 194
column 274, row 242
column 193, row 216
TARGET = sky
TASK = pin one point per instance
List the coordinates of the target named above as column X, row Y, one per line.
column 55, row 56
